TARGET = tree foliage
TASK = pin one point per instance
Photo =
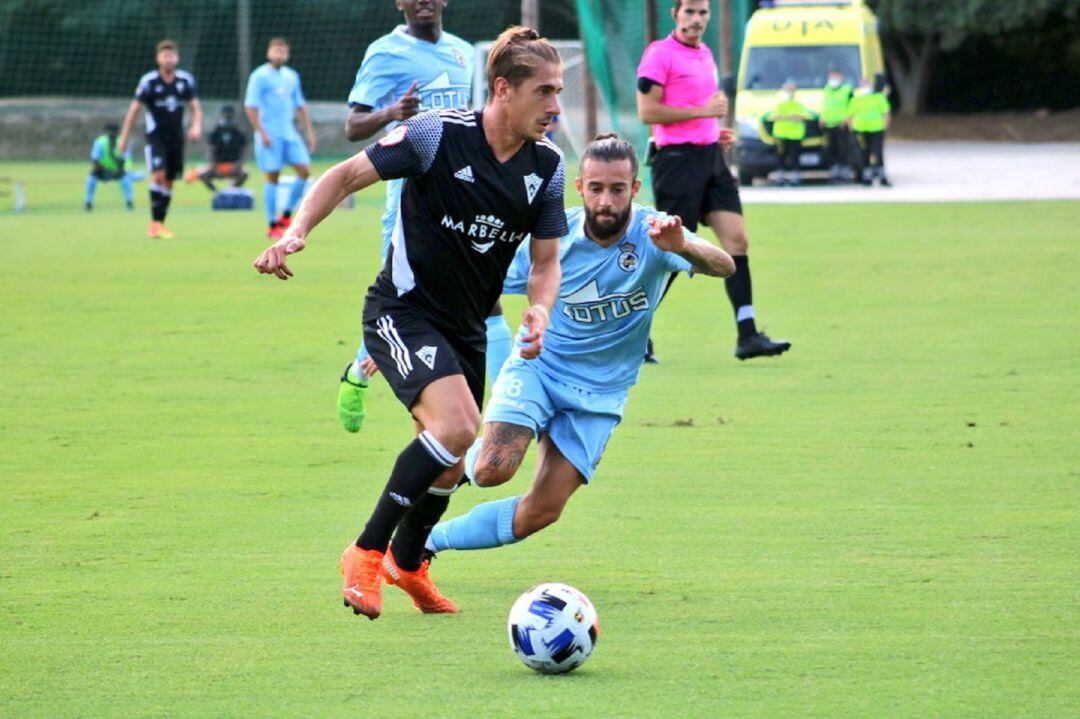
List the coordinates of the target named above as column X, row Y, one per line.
column 916, row 31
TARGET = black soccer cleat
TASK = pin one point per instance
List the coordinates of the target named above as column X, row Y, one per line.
column 759, row 345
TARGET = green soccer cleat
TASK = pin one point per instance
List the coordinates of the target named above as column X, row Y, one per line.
column 352, row 394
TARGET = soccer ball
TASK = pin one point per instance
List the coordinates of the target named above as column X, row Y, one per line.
column 553, row 628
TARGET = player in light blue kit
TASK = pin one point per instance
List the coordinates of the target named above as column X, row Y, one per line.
column 616, row 261
column 417, row 67
column 272, row 102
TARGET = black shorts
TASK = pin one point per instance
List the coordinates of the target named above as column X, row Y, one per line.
column 165, row 154
column 693, row 180
column 412, row 352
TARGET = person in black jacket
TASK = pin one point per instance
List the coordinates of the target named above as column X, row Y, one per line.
column 227, row 144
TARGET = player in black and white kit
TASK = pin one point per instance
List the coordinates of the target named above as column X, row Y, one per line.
column 164, row 92
column 477, row 184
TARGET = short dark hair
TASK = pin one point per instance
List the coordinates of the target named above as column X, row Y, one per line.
column 516, row 54
column 609, row 147
column 277, row 41
column 167, row 45
column 678, row 6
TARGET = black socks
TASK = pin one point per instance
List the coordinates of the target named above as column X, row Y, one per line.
column 418, row 465
column 740, row 292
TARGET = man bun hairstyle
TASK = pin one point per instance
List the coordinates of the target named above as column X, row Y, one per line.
column 609, row 147
column 517, row 54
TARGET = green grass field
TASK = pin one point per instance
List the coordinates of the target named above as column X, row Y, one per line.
column 882, row 523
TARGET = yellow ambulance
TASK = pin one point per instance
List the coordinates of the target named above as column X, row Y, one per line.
column 800, row 40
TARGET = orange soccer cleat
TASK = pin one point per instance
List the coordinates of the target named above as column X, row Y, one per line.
column 276, row 232
column 159, row 230
column 418, row 585
column 284, row 222
column 362, row 591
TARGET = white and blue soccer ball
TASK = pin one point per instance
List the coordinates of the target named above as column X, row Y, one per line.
column 553, row 628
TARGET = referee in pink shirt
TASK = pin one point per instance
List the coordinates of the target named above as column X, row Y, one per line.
column 678, row 93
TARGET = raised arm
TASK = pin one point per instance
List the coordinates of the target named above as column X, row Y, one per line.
column 363, row 122
column 545, row 274
column 339, row 182
column 666, row 232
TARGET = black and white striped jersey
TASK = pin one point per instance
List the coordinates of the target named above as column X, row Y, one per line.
column 462, row 214
column 164, row 103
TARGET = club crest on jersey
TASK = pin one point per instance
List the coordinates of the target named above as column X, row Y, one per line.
column 628, row 261
column 459, row 57
column 427, row 355
column 394, row 136
column 532, row 185
column 180, row 86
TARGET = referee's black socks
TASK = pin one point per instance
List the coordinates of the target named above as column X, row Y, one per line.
column 740, row 292
column 417, row 467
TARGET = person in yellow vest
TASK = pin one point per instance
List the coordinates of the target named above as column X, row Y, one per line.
column 869, row 115
column 108, row 164
column 836, row 96
column 789, row 120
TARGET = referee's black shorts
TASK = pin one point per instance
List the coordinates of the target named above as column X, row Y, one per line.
column 693, row 180
column 165, row 153
column 412, row 352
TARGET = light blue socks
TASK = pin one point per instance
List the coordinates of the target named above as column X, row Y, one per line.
column 296, row 193
column 127, row 189
column 499, row 346
column 270, row 201
column 91, row 188
column 485, row 526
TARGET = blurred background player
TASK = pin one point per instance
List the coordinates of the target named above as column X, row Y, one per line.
column 869, row 115
column 227, row 143
column 164, row 92
column 616, row 261
column 679, row 96
column 416, row 67
column 108, row 165
column 836, row 97
column 272, row 102
column 789, row 120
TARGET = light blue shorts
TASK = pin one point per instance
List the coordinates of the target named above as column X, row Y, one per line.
column 579, row 422
column 389, row 216
column 282, row 151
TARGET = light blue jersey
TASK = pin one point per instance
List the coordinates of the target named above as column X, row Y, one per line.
column 601, row 319
column 276, row 94
column 443, row 72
